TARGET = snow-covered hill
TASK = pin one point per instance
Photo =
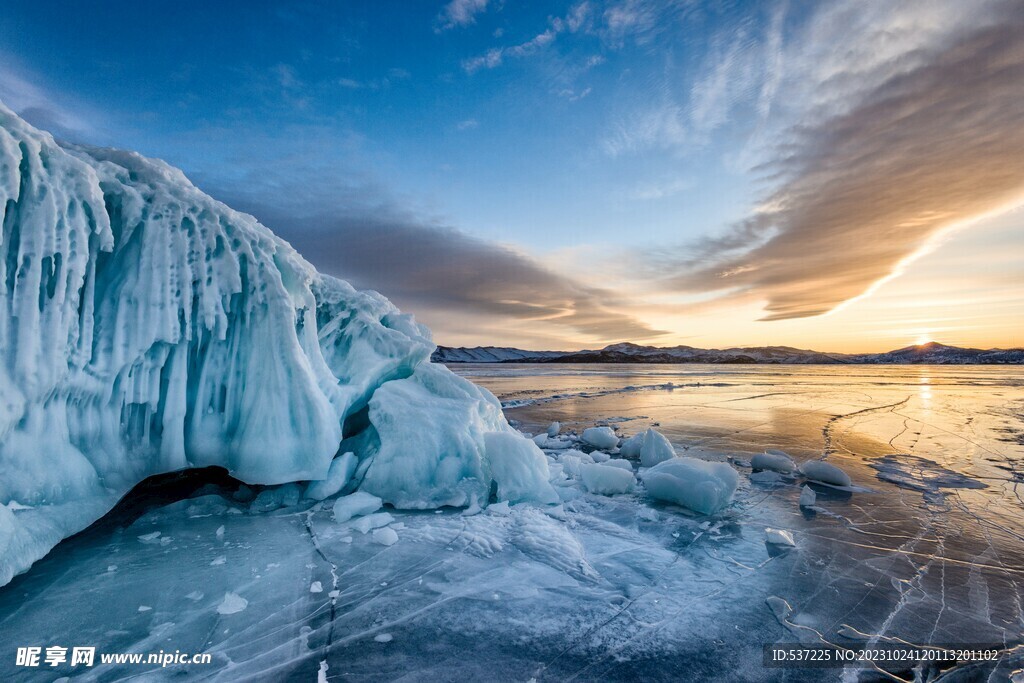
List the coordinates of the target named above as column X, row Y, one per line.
column 932, row 353
column 147, row 328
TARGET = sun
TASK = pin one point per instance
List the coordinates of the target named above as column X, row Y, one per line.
column 922, row 339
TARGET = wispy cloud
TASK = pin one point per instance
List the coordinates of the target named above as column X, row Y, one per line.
column 661, row 126
column 496, row 56
column 467, row 124
column 460, row 13
column 898, row 150
column 639, row 21
column 576, row 19
column 660, row 189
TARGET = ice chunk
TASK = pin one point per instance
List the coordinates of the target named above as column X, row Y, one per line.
column 442, row 456
column 355, row 504
column 702, row 486
column 618, row 462
column 606, row 481
column 232, row 604
column 519, row 468
column 370, row 522
column 631, row 447
column 807, row 497
column 776, row 461
column 554, row 428
column 817, row 470
column 383, row 638
column 601, row 437
column 598, row 456
column 385, row 536
column 316, row 587
column 778, row 537
column 341, row 471
column 656, row 448
column 501, row 508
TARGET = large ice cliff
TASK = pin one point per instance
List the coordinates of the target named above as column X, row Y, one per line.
column 146, row 328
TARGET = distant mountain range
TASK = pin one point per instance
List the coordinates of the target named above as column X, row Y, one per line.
column 930, row 353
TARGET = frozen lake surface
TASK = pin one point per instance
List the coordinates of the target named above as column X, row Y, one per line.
column 927, row 548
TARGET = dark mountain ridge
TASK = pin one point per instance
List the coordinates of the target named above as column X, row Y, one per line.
column 932, row 353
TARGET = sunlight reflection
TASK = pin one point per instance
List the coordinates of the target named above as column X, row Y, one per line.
column 924, row 390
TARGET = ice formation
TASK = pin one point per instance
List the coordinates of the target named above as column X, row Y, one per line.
column 656, row 448
column 807, row 497
column 148, row 328
column 601, row 437
column 775, row 461
column 606, row 480
column 702, row 486
column 355, row 504
column 778, row 537
column 631, row 447
column 385, row 536
column 817, row 470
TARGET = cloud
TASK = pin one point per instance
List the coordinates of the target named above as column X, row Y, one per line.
column 574, row 95
column 286, row 76
column 660, row 126
column 901, row 150
column 639, row 20
column 23, row 95
column 742, row 64
column 360, row 233
column 467, row 124
column 660, row 189
column 576, row 19
column 496, row 56
column 460, row 13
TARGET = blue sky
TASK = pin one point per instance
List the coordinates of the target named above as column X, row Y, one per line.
column 577, row 173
